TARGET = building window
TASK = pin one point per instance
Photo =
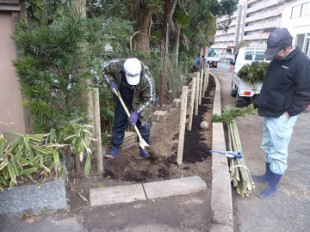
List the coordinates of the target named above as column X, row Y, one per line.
column 296, row 12
column 305, row 9
column 300, row 40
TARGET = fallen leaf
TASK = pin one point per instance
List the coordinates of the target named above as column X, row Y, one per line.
column 30, row 220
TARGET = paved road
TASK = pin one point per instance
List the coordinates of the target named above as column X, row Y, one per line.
column 288, row 211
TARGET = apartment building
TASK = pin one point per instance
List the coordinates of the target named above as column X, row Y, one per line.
column 252, row 23
column 296, row 18
column 262, row 16
column 225, row 41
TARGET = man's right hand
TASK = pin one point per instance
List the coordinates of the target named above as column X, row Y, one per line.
column 113, row 87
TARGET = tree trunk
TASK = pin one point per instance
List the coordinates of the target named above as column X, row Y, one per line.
column 80, row 8
column 164, row 54
column 176, row 44
column 142, row 15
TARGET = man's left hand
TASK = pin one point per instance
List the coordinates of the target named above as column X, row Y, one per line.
column 133, row 118
column 287, row 115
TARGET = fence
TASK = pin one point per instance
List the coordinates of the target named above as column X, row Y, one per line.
column 196, row 89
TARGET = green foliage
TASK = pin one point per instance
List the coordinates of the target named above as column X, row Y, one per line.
column 253, row 73
column 33, row 158
column 77, row 137
column 36, row 157
column 53, row 66
column 231, row 114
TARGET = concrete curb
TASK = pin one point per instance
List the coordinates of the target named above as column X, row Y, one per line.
column 152, row 190
column 221, row 198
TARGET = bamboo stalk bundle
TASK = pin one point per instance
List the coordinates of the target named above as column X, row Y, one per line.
column 240, row 175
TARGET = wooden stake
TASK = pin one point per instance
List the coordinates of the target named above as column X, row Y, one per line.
column 182, row 125
column 192, row 103
column 197, row 94
column 97, row 131
column 201, row 92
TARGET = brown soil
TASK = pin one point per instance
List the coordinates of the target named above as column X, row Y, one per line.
column 130, row 168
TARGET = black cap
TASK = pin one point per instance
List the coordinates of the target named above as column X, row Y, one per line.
column 276, row 40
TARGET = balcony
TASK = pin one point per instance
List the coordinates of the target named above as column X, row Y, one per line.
column 264, row 15
column 262, row 6
column 256, row 36
column 263, row 25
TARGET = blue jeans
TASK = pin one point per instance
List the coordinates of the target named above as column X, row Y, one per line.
column 277, row 134
column 120, row 124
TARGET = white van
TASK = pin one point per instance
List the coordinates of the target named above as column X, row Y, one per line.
column 240, row 89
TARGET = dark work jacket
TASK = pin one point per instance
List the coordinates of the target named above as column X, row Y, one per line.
column 286, row 86
column 139, row 98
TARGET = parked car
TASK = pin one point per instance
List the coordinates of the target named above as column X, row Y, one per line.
column 213, row 61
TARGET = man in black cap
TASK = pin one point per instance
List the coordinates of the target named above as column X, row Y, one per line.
column 285, row 94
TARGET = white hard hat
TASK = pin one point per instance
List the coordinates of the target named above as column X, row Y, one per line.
column 132, row 67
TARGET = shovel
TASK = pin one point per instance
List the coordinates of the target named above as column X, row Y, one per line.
column 142, row 143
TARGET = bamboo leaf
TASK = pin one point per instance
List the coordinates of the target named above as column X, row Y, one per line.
column 46, row 168
column 5, row 173
column 12, row 173
column 53, row 137
column 87, row 166
column 26, row 141
column 2, row 180
column 3, row 164
column 43, row 150
column 37, row 137
column 56, row 159
column 56, row 145
column 14, row 163
column 13, row 134
column 41, row 161
column 71, row 136
column 28, row 171
column 13, row 145
column 86, row 147
column 23, row 161
column 2, row 145
column 81, row 155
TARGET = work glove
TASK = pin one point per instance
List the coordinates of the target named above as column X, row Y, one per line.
column 133, row 118
column 113, row 86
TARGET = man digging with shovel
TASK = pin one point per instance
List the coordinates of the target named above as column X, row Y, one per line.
column 131, row 81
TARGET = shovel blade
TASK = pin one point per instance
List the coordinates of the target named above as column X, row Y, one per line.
column 143, row 144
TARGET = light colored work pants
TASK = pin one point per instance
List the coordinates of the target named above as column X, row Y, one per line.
column 276, row 138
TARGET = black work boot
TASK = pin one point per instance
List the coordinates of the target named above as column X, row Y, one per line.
column 265, row 177
column 272, row 188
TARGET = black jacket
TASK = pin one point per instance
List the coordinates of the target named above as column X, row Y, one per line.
column 286, row 86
